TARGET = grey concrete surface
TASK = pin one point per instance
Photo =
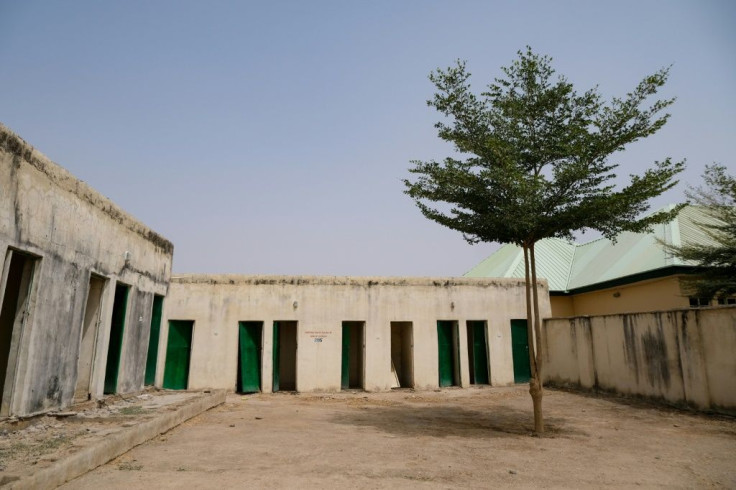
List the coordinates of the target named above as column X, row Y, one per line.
column 168, row 414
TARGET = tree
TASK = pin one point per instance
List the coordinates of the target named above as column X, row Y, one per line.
column 716, row 277
column 532, row 161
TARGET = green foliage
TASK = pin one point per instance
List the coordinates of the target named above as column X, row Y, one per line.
column 717, row 260
column 533, row 161
column 534, row 156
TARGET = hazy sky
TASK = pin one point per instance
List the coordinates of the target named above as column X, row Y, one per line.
column 272, row 137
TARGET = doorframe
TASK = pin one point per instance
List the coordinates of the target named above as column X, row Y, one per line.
column 191, row 351
column 469, row 326
column 526, row 357
column 19, row 337
column 158, row 340
column 126, row 314
column 362, row 325
column 98, row 324
column 455, row 350
column 261, row 346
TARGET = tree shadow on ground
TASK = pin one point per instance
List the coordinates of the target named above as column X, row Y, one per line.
column 437, row 421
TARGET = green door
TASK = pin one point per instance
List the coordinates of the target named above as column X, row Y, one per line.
column 250, row 356
column 520, row 351
column 276, row 356
column 178, row 349
column 345, row 383
column 115, row 347
column 479, row 353
column 158, row 303
column 446, row 357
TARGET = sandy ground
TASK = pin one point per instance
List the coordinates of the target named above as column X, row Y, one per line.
column 474, row 438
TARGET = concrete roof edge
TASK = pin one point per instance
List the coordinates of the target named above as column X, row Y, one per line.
column 236, row 279
column 15, row 145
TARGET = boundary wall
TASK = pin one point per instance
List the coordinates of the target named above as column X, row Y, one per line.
column 681, row 356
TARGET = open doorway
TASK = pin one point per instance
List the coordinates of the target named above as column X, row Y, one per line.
column 88, row 337
column 117, row 330
column 15, row 291
column 153, row 339
column 448, row 349
column 477, row 352
column 250, row 335
column 284, row 355
column 402, row 354
column 352, row 355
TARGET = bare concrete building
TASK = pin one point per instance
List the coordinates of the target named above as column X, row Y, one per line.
column 82, row 283
column 268, row 333
column 85, row 290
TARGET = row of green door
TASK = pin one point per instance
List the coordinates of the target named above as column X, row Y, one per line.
column 179, row 349
column 448, row 352
column 178, row 353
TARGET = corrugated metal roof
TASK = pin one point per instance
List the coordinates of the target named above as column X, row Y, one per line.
column 567, row 265
column 553, row 262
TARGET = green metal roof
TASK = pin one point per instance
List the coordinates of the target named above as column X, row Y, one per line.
column 569, row 266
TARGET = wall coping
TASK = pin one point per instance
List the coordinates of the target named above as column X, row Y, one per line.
column 15, row 145
column 257, row 280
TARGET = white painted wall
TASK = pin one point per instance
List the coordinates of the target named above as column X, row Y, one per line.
column 217, row 303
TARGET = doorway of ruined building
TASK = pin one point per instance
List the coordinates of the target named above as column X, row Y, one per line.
column 402, row 354
column 153, row 340
column 88, row 337
column 478, row 352
column 284, row 355
column 353, row 348
column 448, row 357
column 250, row 337
column 117, row 331
column 15, row 310
column 178, row 354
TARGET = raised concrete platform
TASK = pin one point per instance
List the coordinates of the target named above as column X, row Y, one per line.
column 155, row 418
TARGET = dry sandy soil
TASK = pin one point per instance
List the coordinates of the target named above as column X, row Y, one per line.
column 474, row 438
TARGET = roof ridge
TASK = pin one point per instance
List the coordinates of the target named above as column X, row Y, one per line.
column 569, row 268
column 515, row 262
column 675, row 239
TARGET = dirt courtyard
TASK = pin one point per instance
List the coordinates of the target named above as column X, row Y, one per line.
column 469, row 438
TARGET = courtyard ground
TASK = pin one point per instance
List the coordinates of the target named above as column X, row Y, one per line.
column 469, row 438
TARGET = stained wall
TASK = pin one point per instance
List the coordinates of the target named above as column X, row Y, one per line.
column 71, row 231
column 319, row 305
column 682, row 356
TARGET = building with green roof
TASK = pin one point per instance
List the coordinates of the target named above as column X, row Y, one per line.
column 636, row 273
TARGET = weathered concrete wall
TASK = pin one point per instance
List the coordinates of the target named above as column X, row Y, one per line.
column 320, row 304
column 682, row 356
column 72, row 231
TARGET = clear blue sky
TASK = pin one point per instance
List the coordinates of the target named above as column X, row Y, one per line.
column 272, row 137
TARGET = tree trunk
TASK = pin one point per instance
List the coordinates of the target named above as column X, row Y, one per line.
column 535, row 387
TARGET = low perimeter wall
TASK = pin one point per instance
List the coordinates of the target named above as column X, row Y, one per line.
column 681, row 356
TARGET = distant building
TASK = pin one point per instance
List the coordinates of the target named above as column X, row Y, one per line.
column 600, row 277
